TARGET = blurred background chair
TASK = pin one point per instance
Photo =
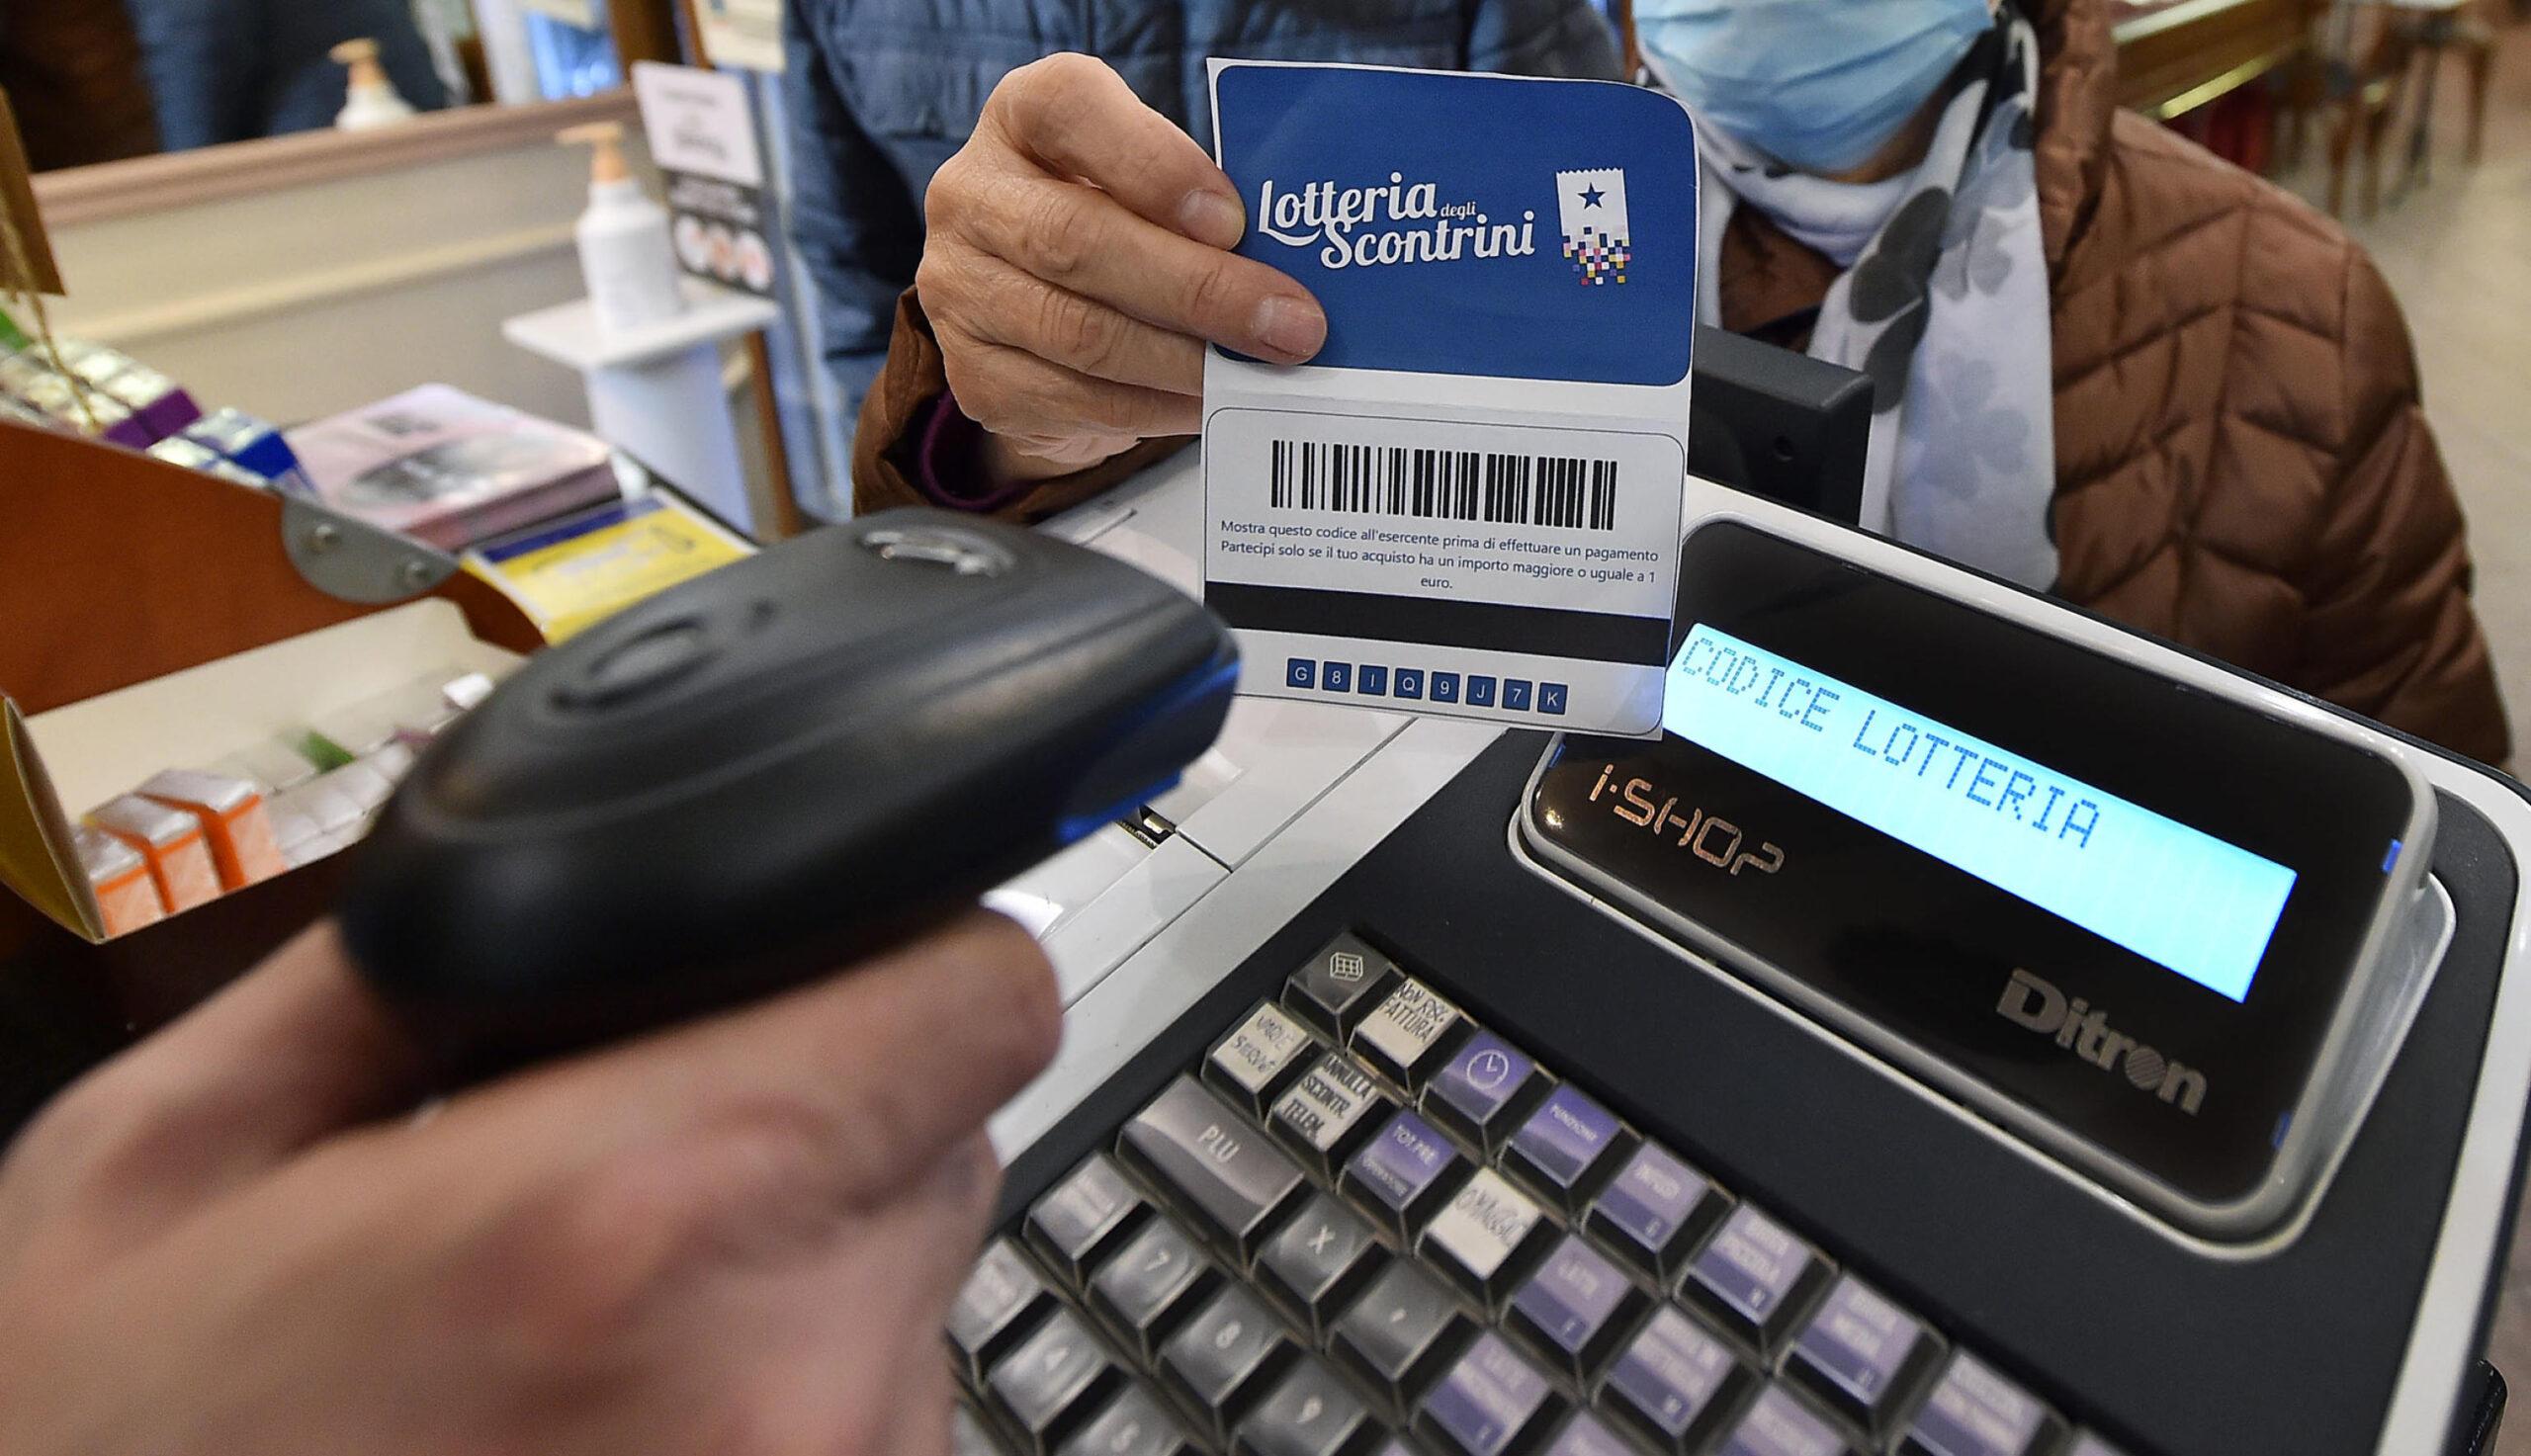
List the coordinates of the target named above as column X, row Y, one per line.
column 2362, row 112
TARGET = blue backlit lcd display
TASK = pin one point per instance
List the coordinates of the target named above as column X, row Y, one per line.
column 2175, row 896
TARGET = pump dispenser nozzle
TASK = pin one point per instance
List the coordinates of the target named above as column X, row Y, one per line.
column 605, row 140
column 625, row 250
column 371, row 100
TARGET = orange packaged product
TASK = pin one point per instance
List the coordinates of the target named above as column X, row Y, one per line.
column 234, row 819
column 170, row 841
column 120, row 879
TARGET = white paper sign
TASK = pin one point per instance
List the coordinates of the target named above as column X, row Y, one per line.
column 698, row 122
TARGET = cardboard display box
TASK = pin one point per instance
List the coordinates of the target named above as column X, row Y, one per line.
column 152, row 617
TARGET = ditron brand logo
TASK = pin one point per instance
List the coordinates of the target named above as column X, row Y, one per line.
column 2084, row 1030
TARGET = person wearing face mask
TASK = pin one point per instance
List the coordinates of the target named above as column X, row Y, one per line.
column 2105, row 364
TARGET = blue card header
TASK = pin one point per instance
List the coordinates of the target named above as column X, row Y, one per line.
column 1473, row 225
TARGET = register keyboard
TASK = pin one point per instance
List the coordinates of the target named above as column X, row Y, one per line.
column 1366, row 1226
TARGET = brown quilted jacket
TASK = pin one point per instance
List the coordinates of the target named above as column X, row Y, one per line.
column 2244, row 465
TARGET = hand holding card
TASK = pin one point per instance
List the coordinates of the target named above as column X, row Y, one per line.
column 1468, row 503
column 1079, row 262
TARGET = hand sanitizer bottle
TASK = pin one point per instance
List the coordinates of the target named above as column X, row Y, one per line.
column 371, row 100
column 625, row 253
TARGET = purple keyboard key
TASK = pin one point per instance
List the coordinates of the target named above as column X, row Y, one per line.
column 1754, row 1274
column 1487, row 1402
column 1780, row 1425
column 1975, row 1412
column 1673, row 1379
column 1859, row 1351
column 1563, row 1141
column 1404, row 1169
column 1654, row 1209
column 1571, row 1306
column 1479, row 1090
column 1585, row 1435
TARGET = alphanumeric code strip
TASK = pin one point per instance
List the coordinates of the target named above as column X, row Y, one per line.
column 1444, row 485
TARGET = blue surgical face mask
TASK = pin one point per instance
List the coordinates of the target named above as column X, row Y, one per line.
column 1819, row 84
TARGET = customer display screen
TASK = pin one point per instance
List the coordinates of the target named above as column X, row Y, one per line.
column 2109, row 896
column 2177, row 896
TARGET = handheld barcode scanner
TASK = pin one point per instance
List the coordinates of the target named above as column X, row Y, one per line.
column 760, row 775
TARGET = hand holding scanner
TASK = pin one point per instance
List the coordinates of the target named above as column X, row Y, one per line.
column 761, row 774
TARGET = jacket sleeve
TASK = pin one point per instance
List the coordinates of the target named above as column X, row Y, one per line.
column 888, row 467
column 851, row 219
column 2390, row 631
column 1542, row 38
column 200, row 64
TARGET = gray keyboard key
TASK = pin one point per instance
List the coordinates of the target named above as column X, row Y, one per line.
column 1482, row 1236
column 1221, row 1359
column 1258, row 1056
column 1575, row 1308
column 1674, row 1381
column 1000, row 1299
column 2088, row 1444
column 1318, row 1259
column 968, row 1435
column 1404, row 1173
column 1310, row 1412
column 1489, row 1404
column 1655, row 1210
column 1562, row 1146
column 1135, row 1423
column 1975, row 1412
column 1325, row 1113
column 1150, row 1283
column 1587, row 1435
column 1396, row 1334
column 1087, row 1214
column 1337, row 987
column 1409, row 1034
column 1778, row 1425
column 1755, row 1276
column 1213, row 1162
column 1861, row 1354
column 1483, row 1090
column 1052, row 1379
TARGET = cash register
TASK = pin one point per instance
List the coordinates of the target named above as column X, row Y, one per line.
column 1973, row 1029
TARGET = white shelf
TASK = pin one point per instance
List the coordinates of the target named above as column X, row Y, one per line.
column 568, row 334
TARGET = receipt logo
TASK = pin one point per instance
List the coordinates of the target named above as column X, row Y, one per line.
column 2084, row 1030
column 1597, row 240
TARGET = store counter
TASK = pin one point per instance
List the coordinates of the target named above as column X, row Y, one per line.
column 1101, row 901
column 1346, row 1005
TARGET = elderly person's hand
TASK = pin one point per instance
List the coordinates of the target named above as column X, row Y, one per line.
column 739, row 1237
column 1076, row 265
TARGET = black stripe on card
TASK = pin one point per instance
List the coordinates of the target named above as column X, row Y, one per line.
column 1542, row 632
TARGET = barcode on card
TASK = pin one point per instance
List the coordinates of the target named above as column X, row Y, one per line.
column 1504, row 489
